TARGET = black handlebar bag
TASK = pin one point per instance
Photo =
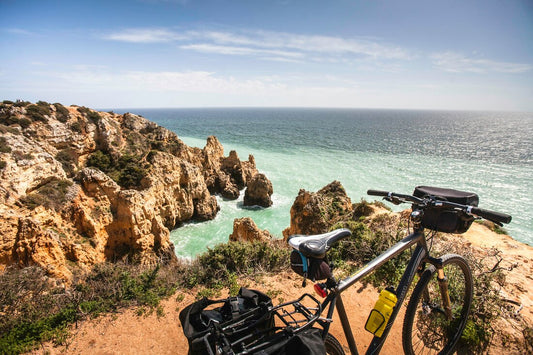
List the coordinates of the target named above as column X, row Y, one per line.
column 250, row 306
column 447, row 220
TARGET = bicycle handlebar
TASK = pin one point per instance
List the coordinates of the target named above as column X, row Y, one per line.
column 378, row 193
column 493, row 216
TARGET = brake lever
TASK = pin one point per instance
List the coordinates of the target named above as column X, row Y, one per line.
column 393, row 200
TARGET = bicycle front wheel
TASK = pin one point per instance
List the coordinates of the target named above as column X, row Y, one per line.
column 426, row 327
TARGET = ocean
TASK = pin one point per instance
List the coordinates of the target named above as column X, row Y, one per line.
column 489, row 153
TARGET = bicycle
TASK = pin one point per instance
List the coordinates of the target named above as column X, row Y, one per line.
column 439, row 304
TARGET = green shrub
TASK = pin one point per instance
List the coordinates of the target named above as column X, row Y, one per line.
column 6, row 129
column 38, row 112
column 7, row 102
column 21, row 103
column 90, row 114
column 76, row 127
column 7, row 115
column 361, row 209
column 127, row 171
column 19, row 155
column 62, row 113
column 7, row 119
column 366, row 243
column 487, row 304
column 94, row 116
column 4, row 147
column 83, row 110
column 492, row 226
column 131, row 173
column 24, row 122
column 100, row 160
column 67, row 158
column 215, row 267
column 30, row 311
column 3, row 164
column 51, row 195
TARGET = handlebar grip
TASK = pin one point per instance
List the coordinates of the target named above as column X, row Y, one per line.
column 378, row 193
column 492, row 215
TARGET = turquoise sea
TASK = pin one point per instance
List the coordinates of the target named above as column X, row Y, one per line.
column 489, row 153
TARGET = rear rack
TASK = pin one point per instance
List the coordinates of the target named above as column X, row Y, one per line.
column 288, row 319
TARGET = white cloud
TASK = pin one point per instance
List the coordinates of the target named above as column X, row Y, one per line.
column 144, row 35
column 458, row 63
column 20, row 31
column 188, row 81
column 333, row 45
column 210, row 48
column 282, row 44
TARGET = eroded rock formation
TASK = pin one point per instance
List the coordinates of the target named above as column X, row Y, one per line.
column 82, row 186
column 315, row 212
column 258, row 191
column 245, row 230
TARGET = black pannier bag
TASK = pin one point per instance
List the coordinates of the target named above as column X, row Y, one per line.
column 307, row 342
column 311, row 268
column 447, row 220
column 250, row 306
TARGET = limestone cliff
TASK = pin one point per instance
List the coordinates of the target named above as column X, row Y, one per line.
column 79, row 186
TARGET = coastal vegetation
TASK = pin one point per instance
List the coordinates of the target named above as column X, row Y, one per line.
column 4, row 147
column 39, row 111
column 34, row 311
column 52, row 195
column 493, row 227
column 126, row 170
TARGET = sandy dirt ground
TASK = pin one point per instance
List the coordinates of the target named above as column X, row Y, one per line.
column 128, row 333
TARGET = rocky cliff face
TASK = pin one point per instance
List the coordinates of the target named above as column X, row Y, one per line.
column 80, row 186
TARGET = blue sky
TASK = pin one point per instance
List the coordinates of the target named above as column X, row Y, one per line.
column 473, row 55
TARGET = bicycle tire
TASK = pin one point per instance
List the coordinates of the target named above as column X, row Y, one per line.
column 425, row 327
column 333, row 346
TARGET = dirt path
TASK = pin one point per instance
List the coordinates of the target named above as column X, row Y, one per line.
column 129, row 333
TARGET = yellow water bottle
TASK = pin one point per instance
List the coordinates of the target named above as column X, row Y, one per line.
column 379, row 316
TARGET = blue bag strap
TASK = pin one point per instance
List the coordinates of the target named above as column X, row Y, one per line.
column 304, row 267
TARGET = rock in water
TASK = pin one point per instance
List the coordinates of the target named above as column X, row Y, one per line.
column 258, row 192
column 245, row 230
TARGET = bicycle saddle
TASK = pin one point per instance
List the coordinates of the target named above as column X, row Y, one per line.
column 316, row 246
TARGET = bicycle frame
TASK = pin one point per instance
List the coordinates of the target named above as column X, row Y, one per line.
column 419, row 255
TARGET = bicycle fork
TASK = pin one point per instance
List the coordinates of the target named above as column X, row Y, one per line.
column 443, row 287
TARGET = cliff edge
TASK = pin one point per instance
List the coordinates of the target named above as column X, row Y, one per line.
column 78, row 186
